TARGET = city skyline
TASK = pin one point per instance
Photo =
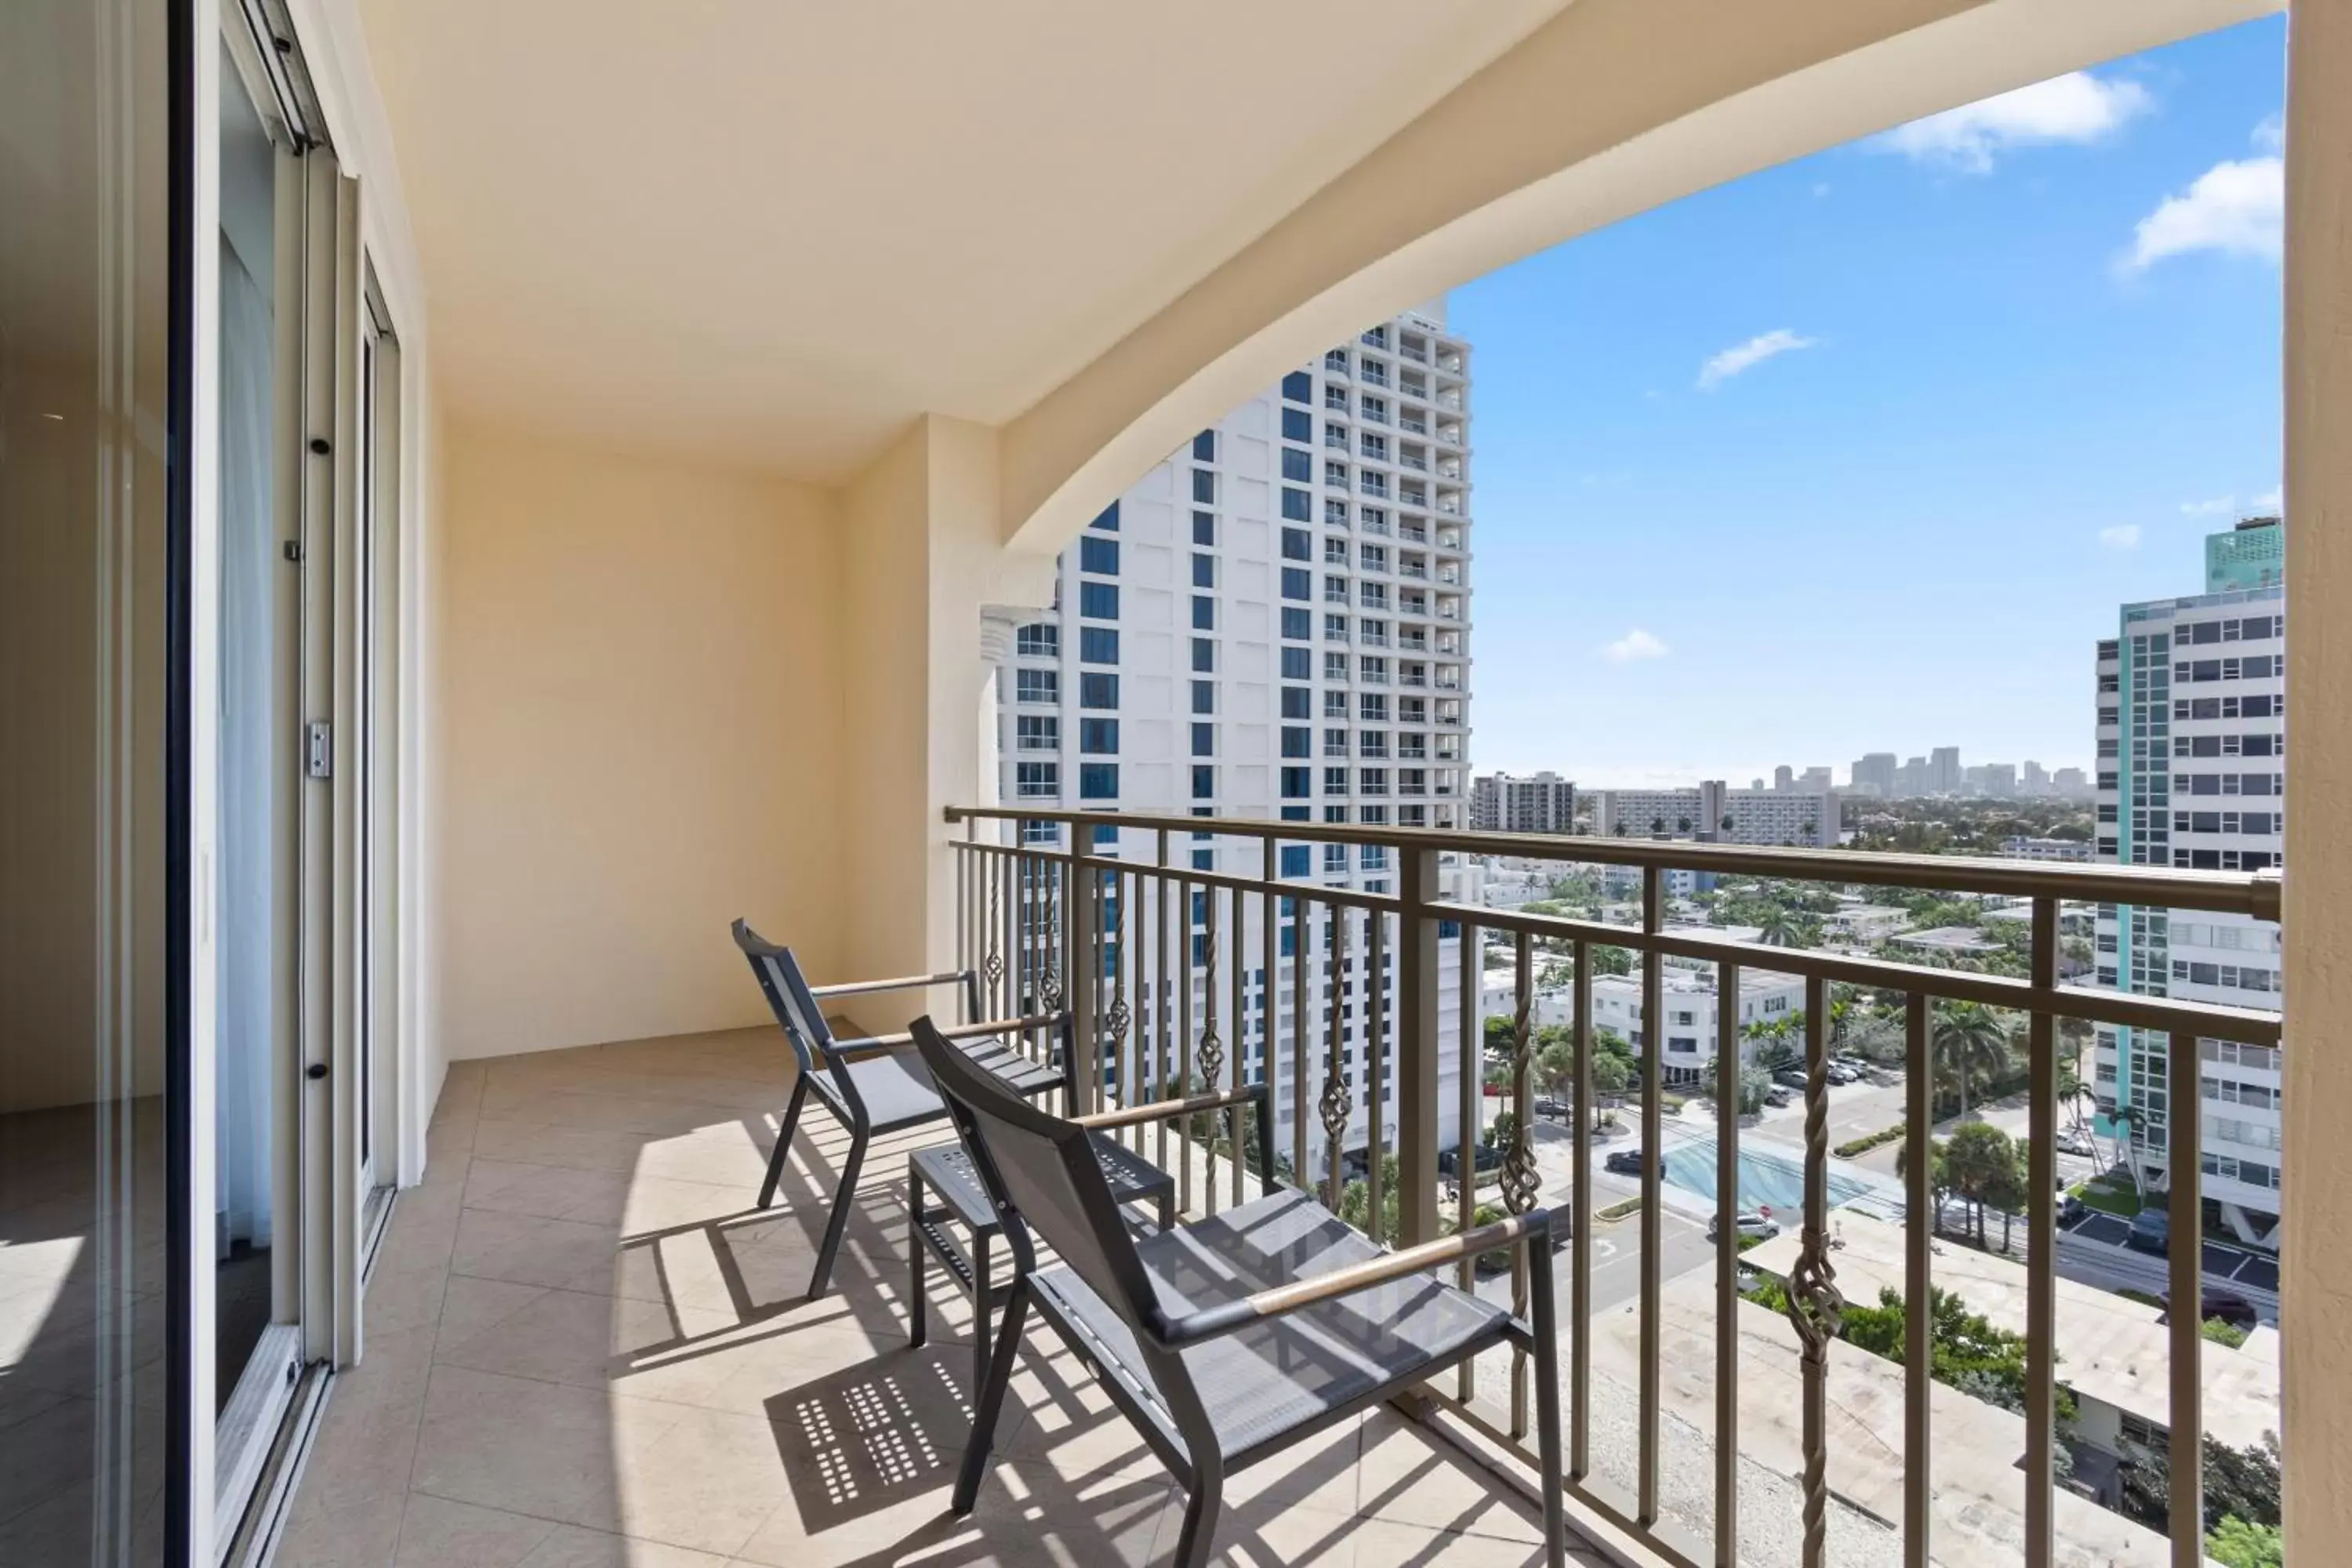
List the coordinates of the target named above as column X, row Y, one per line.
column 1876, row 440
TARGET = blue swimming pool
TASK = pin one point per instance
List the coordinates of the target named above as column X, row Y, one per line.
column 1769, row 1178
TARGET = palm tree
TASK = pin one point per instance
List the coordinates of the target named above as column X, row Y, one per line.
column 1780, row 926
column 1967, row 1039
column 1657, row 827
column 1682, row 825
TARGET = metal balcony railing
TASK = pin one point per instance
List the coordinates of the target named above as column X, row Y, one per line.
column 1155, row 960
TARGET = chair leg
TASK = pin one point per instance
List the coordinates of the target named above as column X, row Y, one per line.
column 1551, row 1471
column 917, row 1315
column 982, row 1287
column 845, row 1197
column 1198, row 1539
column 784, row 1150
column 991, row 1396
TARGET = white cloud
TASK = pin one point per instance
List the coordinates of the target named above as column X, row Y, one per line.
column 1746, row 355
column 2270, row 134
column 2077, row 107
column 2268, row 503
column 1634, row 645
column 2124, row 536
column 2211, row 506
column 2238, row 208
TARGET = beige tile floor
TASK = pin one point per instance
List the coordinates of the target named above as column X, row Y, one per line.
column 585, row 1349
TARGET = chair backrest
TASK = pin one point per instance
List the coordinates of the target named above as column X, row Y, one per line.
column 787, row 990
column 1040, row 1171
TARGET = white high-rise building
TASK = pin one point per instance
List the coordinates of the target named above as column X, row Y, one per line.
column 1540, row 802
column 2192, row 738
column 1274, row 623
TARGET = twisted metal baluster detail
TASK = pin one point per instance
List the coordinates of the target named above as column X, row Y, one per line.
column 1815, row 1306
column 1120, row 1018
column 1211, row 1052
column 992, row 894
column 1520, row 1180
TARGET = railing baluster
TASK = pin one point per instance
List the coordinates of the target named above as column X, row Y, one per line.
column 1084, row 972
column 1579, row 1199
column 1418, row 1027
column 1270, row 991
column 1813, row 1300
column 2186, row 1413
column 1654, row 1133
column 1334, row 1104
column 1301, row 1038
column 2041, row 1251
column 1727, row 1263
column 1163, row 998
column 1184, row 1047
column 1467, row 1086
column 1520, row 1182
column 1241, row 1040
column 1919, row 1218
column 1376, row 1071
column 1213, row 1050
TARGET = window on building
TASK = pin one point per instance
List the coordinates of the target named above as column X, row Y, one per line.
column 1335, row 742
column 1335, row 512
column 1098, row 691
column 1296, row 702
column 1334, row 553
column 1296, row 861
column 1034, row 779
column 1099, row 601
column 1204, row 656
column 1097, row 645
column 1107, row 520
column 1298, row 505
column 1299, row 387
column 1204, row 740
column 1204, row 486
column 1298, row 583
column 1037, row 732
column 1099, row 556
column 1098, row 737
column 1335, row 667
column 1297, row 740
column 1042, row 639
column 1205, row 697
column 1297, row 545
column 1204, row 529
column 1296, row 664
column 1298, row 782
column 1098, row 781
column 1205, row 613
column 1204, row 446
column 1335, row 781
column 1037, row 685
column 1298, row 625
column 1298, row 467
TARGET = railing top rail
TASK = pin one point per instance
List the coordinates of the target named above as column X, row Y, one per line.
column 2254, row 893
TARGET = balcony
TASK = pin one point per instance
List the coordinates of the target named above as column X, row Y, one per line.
column 1718, row 1404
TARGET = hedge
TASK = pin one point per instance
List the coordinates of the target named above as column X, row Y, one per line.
column 1864, row 1145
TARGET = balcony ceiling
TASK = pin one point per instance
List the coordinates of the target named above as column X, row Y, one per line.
column 770, row 232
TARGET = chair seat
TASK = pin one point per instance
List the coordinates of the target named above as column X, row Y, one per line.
column 948, row 1174
column 898, row 1090
column 1269, row 1380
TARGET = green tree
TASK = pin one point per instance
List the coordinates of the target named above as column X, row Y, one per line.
column 1980, row 1162
column 2235, row 1543
column 1356, row 1199
column 1967, row 1039
column 1779, row 926
column 1939, row 1180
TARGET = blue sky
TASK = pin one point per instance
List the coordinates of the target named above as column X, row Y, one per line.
column 1973, row 385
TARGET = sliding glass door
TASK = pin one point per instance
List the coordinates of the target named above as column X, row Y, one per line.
column 94, row 1097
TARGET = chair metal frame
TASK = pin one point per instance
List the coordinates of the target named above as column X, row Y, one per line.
column 827, row 1063
column 1082, row 1224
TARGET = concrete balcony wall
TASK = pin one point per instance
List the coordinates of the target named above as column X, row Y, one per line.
column 638, row 705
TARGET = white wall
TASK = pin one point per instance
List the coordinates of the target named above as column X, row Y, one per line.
column 638, row 687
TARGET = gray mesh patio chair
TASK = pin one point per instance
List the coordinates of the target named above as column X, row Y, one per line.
column 1226, row 1341
column 878, row 1084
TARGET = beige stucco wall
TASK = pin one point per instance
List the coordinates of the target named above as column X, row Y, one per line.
column 2315, row 1320
column 638, row 676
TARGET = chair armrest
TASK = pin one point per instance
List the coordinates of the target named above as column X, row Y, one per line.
column 1162, row 1109
column 904, row 982
column 1282, row 1300
column 872, row 1044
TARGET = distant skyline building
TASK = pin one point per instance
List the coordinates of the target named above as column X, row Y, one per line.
column 2192, row 735
column 1944, row 774
column 1809, row 820
column 1536, row 803
column 1874, row 773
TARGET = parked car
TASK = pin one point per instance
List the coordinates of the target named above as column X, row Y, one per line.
column 2229, row 1307
column 2151, row 1231
column 1775, row 1095
column 1761, row 1225
column 2071, row 1209
column 1623, row 1162
column 1790, row 1078
column 2077, row 1143
column 1549, row 1106
column 1839, row 1072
